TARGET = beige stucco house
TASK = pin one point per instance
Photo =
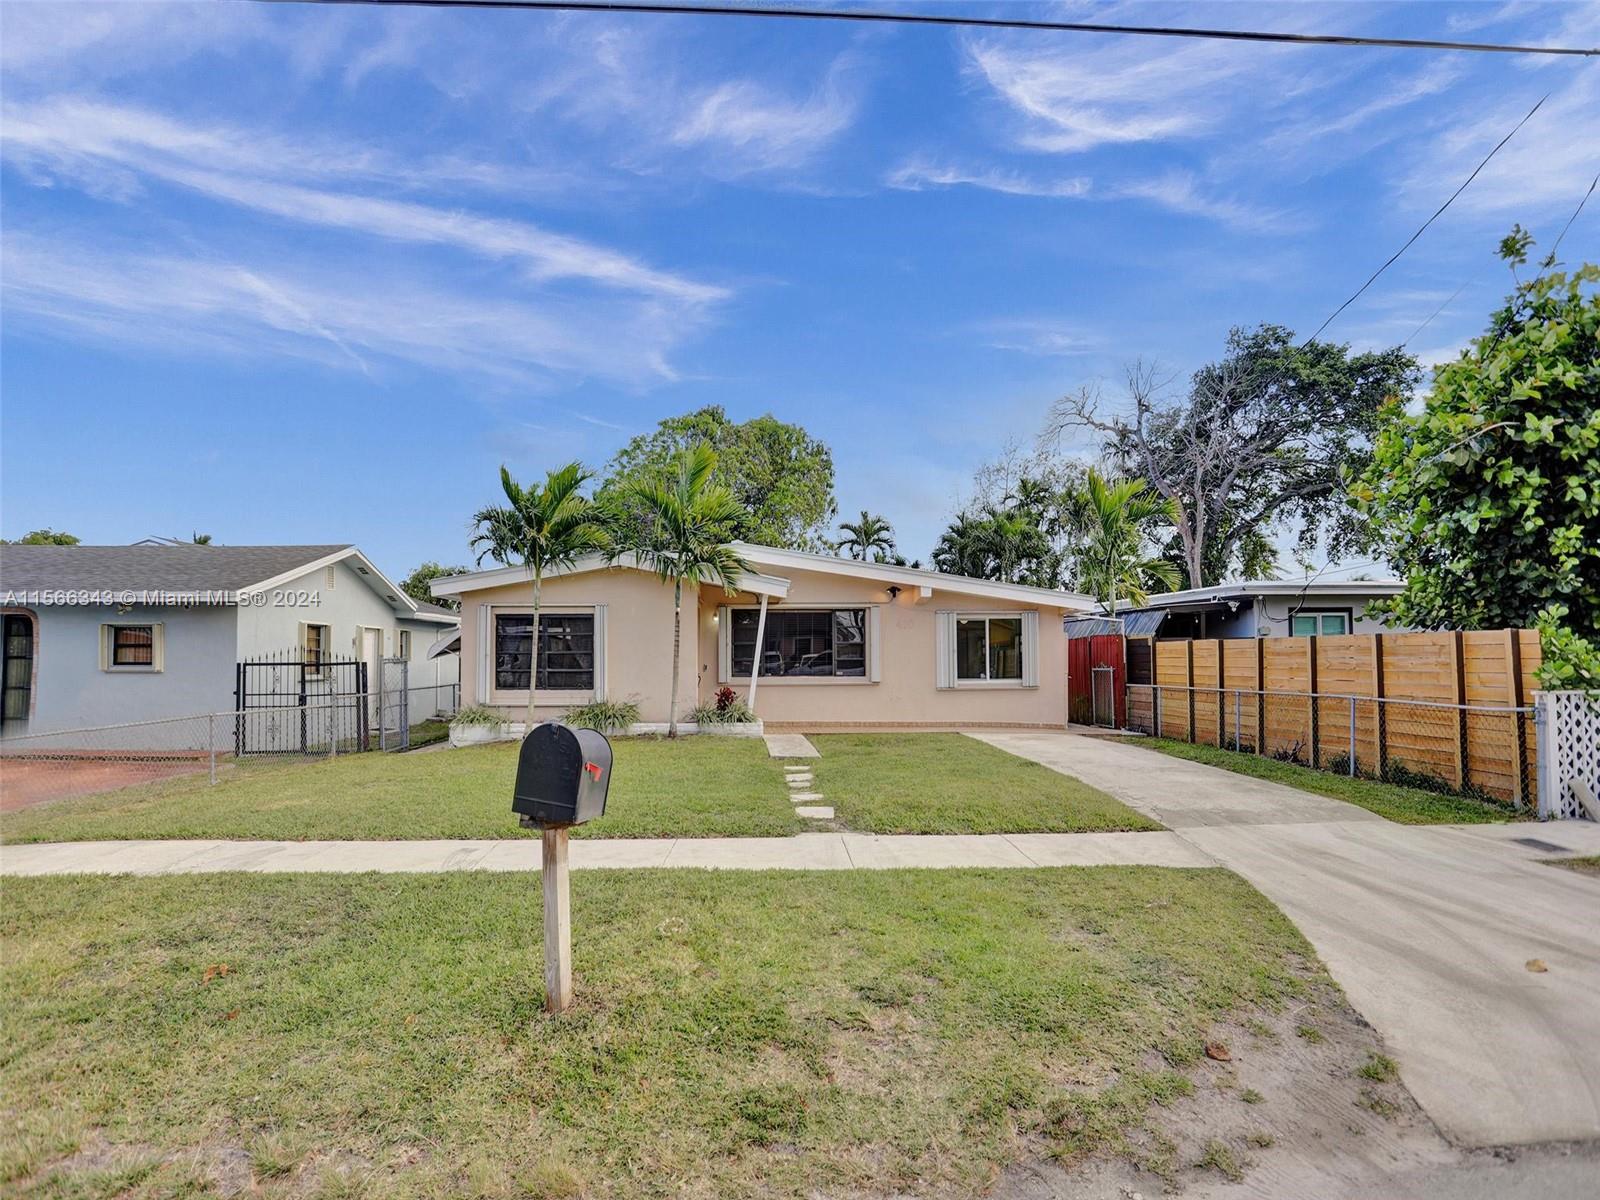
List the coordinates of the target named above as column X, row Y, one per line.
column 808, row 640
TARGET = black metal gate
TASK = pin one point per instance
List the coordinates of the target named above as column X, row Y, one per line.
column 293, row 702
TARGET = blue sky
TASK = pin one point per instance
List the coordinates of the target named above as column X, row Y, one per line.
column 296, row 274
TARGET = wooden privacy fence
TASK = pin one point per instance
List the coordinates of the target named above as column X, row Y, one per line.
column 1443, row 710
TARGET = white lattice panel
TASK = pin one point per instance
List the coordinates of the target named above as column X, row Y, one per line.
column 1569, row 752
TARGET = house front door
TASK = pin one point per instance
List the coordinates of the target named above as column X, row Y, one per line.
column 18, row 673
column 372, row 656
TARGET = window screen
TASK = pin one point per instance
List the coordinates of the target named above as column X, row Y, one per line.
column 133, row 645
column 566, row 651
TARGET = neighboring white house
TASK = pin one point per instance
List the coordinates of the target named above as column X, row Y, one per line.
column 103, row 635
column 1255, row 608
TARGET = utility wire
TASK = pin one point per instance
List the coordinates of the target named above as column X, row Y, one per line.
column 1435, row 313
column 1573, row 217
column 1437, row 213
column 892, row 18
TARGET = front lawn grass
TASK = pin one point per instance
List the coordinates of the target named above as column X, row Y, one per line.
column 1407, row 806
column 1584, row 864
column 780, row 1034
column 950, row 783
column 690, row 787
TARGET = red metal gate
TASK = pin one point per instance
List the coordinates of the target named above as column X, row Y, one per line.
column 1096, row 662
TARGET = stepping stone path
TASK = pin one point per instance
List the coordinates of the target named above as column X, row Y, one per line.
column 798, row 775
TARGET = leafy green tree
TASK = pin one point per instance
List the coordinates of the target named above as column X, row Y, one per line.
column 1490, row 495
column 200, row 539
column 998, row 542
column 544, row 528
column 43, row 537
column 1271, row 433
column 689, row 521
column 780, row 474
column 1115, row 559
column 869, row 536
column 416, row 584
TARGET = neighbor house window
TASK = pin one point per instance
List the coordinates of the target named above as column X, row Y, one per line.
column 403, row 643
column 808, row 642
column 989, row 648
column 18, row 669
column 1327, row 624
column 314, row 642
column 130, row 647
column 566, row 651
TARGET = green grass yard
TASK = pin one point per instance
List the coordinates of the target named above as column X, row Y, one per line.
column 949, row 783
column 774, row 1034
column 1406, row 806
column 692, row 787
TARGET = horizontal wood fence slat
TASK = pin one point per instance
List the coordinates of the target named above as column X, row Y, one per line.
column 1446, row 708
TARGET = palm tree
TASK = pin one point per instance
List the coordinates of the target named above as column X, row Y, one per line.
column 1114, row 560
column 871, row 533
column 544, row 528
column 689, row 522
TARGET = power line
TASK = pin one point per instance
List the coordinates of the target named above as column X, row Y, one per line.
column 889, row 18
column 1437, row 213
column 1435, row 313
column 1573, row 217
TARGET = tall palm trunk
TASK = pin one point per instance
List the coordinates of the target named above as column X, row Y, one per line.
column 533, row 656
column 677, row 645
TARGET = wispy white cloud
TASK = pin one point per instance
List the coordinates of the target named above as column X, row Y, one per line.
column 113, row 151
column 1542, row 171
column 764, row 129
column 1049, row 337
column 262, row 305
column 919, row 174
column 1176, row 191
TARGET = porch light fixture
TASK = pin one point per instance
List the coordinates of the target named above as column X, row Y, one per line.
column 894, row 592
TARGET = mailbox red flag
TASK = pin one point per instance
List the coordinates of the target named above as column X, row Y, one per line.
column 594, row 769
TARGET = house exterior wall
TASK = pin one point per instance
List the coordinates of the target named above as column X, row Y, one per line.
column 906, row 692
column 71, row 691
column 1270, row 617
column 633, row 635
column 273, row 626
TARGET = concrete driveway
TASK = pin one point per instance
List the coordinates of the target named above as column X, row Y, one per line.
column 1430, row 930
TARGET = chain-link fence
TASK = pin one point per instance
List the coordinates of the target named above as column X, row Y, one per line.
column 1475, row 750
column 217, row 747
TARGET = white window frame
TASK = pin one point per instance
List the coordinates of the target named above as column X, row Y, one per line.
column 402, row 643
column 1321, row 615
column 725, row 673
column 158, row 648
column 947, row 676
column 553, row 697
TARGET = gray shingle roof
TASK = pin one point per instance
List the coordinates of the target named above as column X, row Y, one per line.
column 151, row 568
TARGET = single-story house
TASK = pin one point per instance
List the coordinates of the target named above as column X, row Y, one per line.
column 1254, row 608
column 807, row 639
column 106, row 635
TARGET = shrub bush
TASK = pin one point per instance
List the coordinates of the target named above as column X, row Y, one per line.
column 603, row 715
column 478, row 714
column 734, row 713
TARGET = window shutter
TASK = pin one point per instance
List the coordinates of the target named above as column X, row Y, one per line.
column 485, row 655
column 105, row 647
column 874, row 646
column 1030, row 648
column 599, row 651
column 945, row 649
column 725, row 644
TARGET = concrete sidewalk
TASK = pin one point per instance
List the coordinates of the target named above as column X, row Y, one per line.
column 1429, row 930
column 805, row 852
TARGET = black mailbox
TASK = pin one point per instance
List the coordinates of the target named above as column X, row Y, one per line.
column 562, row 776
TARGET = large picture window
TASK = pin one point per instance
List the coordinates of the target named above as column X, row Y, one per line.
column 989, row 648
column 802, row 642
column 566, row 651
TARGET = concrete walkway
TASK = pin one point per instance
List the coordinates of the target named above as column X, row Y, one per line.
column 1430, row 930
column 805, row 852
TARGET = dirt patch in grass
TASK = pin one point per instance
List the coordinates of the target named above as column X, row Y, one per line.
column 1588, row 864
column 786, row 1034
column 1286, row 1115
